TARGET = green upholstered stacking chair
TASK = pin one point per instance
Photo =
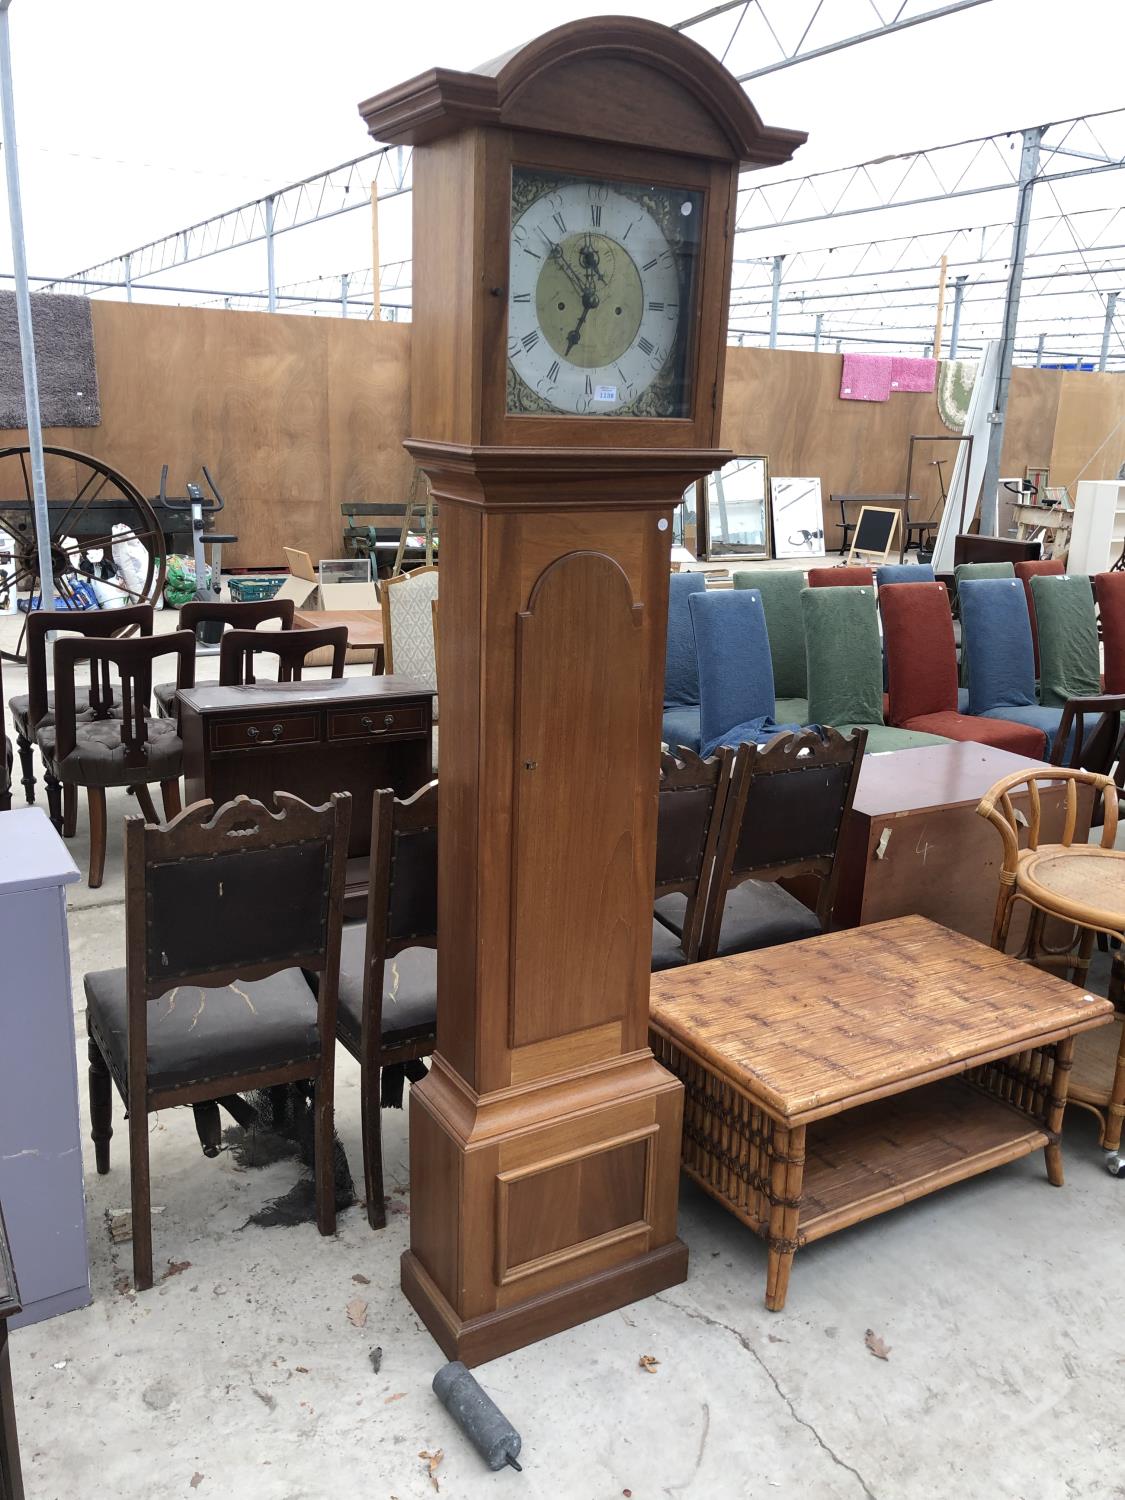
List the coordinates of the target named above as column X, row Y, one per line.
column 845, row 668
column 1069, row 659
column 781, row 599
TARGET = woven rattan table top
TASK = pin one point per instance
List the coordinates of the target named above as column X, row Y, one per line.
column 814, row 1027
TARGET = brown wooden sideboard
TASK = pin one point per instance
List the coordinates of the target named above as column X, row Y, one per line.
column 350, row 734
column 913, row 842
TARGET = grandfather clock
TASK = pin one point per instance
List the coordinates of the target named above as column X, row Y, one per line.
column 573, row 212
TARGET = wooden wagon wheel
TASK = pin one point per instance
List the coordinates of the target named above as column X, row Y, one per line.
column 85, row 500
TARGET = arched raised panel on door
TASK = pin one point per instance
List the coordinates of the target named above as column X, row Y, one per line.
column 574, row 930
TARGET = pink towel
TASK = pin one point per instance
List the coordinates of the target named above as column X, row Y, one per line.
column 913, row 374
column 866, row 377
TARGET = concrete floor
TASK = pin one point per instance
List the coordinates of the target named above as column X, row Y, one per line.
column 241, row 1375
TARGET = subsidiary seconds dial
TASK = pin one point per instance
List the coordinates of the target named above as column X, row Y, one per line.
column 594, row 300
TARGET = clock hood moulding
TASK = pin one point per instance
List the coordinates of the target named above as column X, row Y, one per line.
column 692, row 101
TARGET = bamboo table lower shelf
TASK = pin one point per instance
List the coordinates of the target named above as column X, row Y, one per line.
column 833, row 1079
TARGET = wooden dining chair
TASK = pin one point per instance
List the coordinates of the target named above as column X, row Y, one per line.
column 100, row 750
column 35, row 709
column 1084, row 885
column 240, row 649
column 227, row 614
column 224, row 910
column 689, row 813
column 387, row 1017
column 782, row 820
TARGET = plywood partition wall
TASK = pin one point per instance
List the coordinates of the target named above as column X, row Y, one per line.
column 295, row 415
column 292, row 415
column 786, row 404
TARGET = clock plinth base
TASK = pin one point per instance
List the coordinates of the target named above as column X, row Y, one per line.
column 526, row 1218
column 474, row 1341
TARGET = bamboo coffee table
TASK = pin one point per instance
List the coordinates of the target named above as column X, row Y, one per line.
column 829, row 1080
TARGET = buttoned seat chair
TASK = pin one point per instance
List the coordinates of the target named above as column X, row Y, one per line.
column 780, row 589
column 240, row 649
column 845, row 665
column 102, row 751
column 922, row 673
column 35, row 709
column 680, row 721
column 225, row 912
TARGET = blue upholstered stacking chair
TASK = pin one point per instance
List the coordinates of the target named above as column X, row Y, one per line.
column 736, row 698
column 996, row 647
column 681, row 680
column 904, row 573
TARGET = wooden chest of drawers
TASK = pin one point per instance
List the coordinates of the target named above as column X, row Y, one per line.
column 350, row 734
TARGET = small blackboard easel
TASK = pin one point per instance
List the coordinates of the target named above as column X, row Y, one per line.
column 874, row 535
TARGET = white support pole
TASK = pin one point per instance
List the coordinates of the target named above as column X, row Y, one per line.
column 23, row 314
column 775, row 299
column 271, row 271
column 816, row 335
column 1029, row 166
column 1110, row 310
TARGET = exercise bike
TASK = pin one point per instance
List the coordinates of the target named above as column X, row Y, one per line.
column 209, row 632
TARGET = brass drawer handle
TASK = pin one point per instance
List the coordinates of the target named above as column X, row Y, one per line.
column 253, row 731
column 367, row 723
column 277, row 731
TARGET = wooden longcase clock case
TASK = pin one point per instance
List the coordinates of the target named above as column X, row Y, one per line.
column 545, row 1143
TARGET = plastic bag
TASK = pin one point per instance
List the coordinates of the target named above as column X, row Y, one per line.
column 179, row 581
column 131, row 560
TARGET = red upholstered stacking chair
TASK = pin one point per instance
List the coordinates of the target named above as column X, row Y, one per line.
column 1026, row 571
column 841, row 578
column 1111, row 605
column 922, row 673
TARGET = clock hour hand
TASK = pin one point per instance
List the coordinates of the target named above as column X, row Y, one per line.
column 564, row 265
column 576, row 332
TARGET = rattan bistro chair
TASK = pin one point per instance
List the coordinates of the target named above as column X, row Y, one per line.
column 1083, row 884
column 223, row 912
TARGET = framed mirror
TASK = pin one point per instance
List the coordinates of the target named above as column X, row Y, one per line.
column 730, row 510
column 798, row 518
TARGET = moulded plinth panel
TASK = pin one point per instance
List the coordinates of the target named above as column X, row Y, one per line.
column 545, row 1143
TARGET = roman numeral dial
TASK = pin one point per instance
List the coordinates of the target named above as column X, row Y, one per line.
column 598, row 277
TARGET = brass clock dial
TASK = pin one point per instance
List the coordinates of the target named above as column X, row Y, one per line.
column 600, row 300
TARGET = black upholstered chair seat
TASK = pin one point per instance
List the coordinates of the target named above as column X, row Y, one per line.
column 409, row 991
column 165, row 695
column 758, row 914
column 197, row 1034
column 666, row 950
column 98, row 758
column 20, row 705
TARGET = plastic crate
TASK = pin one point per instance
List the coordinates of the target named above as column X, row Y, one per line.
column 254, row 590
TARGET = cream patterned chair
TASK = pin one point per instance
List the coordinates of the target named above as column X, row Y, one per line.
column 408, row 626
